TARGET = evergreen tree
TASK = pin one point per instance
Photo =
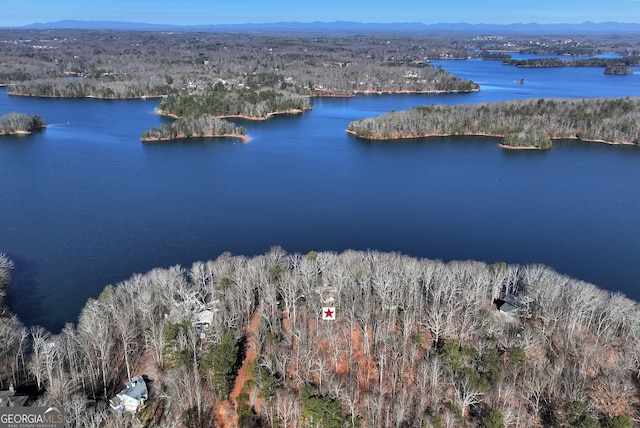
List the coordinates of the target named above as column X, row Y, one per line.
column 224, row 358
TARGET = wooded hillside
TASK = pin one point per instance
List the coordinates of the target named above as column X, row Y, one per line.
column 415, row 342
column 131, row 64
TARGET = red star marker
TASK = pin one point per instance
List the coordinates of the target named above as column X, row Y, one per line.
column 329, row 313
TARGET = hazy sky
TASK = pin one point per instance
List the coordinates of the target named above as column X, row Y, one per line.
column 263, row 11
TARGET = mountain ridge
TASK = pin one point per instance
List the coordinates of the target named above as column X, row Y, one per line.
column 345, row 26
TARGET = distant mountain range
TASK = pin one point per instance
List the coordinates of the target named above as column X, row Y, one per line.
column 341, row 26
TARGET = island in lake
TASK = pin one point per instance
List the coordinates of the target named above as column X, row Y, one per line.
column 205, row 115
column 618, row 70
column 522, row 124
column 20, row 123
column 195, row 126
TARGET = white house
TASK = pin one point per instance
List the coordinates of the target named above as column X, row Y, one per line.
column 202, row 322
column 130, row 398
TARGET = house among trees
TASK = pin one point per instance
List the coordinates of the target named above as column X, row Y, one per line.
column 10, row 399
column 509, row 304
column 130, row 398
column 202, row 322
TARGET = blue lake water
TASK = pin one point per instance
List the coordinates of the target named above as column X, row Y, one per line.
column 86, row 204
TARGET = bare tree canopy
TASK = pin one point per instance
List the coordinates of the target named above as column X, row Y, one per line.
column 522, row 123
column 414, row 342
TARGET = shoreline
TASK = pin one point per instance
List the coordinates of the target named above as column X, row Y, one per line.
column 320, row 94
column 92, row 97
column 416, row 92
column 240, row 116
column 415, row 137
column 355, row 93
column 506, row 147
column 243, row 138
column 501, row 145
column 22, row 132
column 296, row 111
column 611, row 143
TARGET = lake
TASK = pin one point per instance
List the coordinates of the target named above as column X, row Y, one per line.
column 86, row 204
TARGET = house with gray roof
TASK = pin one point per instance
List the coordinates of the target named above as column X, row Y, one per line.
column 11, row 399
column 509, row 304
column 130, row 398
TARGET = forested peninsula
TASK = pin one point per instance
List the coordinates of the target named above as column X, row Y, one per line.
column 518, row 124
column 20, row 123
column 83, row 87
column 617, row 66
column 573, row 62
column 414, row 342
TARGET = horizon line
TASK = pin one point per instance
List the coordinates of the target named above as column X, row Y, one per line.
column 97, row 21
